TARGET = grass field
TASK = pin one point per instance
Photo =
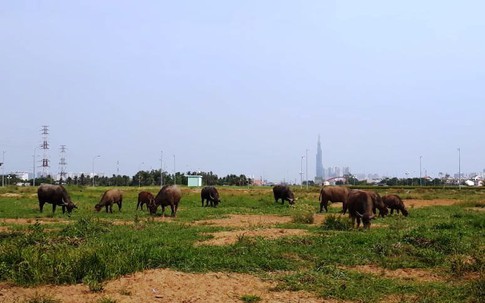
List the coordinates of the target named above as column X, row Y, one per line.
column 434, row 255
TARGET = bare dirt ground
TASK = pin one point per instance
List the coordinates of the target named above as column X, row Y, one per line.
column 165, row 285
column 231, row 237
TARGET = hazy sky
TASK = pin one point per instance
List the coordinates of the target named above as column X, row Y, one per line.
column 244, row 87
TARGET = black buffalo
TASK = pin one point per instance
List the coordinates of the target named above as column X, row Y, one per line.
column 360, row 206
column 283, row 192
column 56, row 195
column 210, row 195
column 169, row 195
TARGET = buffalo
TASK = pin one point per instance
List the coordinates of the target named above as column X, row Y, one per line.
column 378, row 204
column 109, row 198
column 169, row 195
column 56, row 195
column 210, row 195
column 333, row 194
column 360, row 206
column 283, row 192
column 144, row 197
column 394, row 202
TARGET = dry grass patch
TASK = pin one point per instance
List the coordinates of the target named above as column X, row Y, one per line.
column 425, row 203
column 245, row 221
column 401, row 273
column 231, row 237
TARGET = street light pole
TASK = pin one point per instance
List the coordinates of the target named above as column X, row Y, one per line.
column 174, row 177
column 420, row 180
column 301, row 171
column 161, row 168
column 3, row 168
column 94, row 158
column 459, row 168
column 306, row 167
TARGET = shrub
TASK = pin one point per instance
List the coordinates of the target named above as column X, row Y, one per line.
column 333, row 222
column 250, row 298
column 303, row 214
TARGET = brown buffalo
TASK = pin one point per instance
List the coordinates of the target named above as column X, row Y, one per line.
column 169, row 195
column 283, row 192
column 360, row 206
column 144, row 197
column 333, row 194
column 109, row 198
column 378, row 204
column 55, row 195
column 394, row 202
column 210, row 195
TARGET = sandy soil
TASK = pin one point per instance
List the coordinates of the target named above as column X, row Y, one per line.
column 34, row 220
column 246, row 221
column 165, row 285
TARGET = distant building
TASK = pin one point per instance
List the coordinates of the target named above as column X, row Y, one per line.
column 320, row 174
column 194, row 180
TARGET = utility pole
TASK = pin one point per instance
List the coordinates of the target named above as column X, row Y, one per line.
column 45, row 148
column 62, row 164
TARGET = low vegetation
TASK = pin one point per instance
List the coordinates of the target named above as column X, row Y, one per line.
column 91, row 247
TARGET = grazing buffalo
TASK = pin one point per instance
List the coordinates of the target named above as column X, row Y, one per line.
column 378, row 204
column 109, row 198
column 394, row 202
column 360, row 206
column 333, row 194
column 210, row 195
column 56, row 195
column 144, row 197
column 283, row 192
column 169, row 195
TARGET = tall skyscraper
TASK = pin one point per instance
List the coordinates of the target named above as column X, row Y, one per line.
column 319, row 174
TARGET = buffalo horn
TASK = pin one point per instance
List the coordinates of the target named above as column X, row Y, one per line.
column 359, row 214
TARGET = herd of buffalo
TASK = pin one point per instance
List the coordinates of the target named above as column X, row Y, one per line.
column 360, row 204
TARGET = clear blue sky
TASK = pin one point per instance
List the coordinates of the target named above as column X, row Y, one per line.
column 245, row 86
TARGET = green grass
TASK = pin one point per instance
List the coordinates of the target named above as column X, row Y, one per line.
column 89, row 248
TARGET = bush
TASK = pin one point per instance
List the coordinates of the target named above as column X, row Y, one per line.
column 303, row 214
column 333, row 222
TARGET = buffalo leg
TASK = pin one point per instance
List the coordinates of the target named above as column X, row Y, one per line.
column 119, row 206
column 173, row 210
column 41, row 205
column 54, row 207
column 63, row 209
column 323, row 205
column 344, row 207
